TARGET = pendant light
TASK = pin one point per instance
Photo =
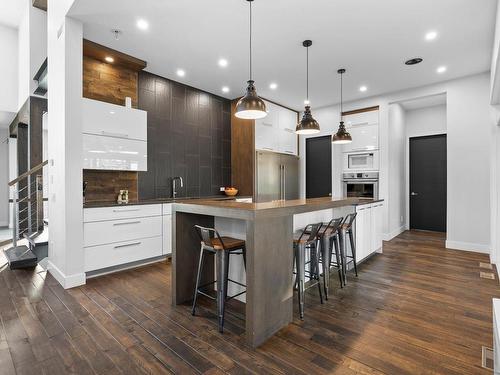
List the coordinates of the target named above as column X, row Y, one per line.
column 250, row 106
column 308, row 125
column 342, row 136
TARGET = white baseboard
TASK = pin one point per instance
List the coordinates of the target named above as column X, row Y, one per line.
column 394, row 233
column 67, row 282
column 467, row 246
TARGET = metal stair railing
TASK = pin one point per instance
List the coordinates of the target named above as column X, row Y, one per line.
column 27, row 204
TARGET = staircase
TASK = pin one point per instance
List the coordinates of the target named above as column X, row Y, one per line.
column 30, row 233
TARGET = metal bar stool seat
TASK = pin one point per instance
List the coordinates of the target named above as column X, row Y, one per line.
column 306, row 239
column 212, row 242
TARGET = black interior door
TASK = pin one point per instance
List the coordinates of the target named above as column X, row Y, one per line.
column 318, row 167
column 428, row 183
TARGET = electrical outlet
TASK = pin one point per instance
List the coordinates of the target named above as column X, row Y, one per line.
column 222, row 188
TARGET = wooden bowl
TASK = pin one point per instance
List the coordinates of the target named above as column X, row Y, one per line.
column 231, row 192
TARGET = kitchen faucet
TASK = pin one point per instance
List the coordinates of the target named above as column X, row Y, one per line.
column 174, row 185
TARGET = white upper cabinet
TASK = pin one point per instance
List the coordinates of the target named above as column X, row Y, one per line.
column 114, row 137
column 276, row 131
column 110, row 153
column 111, row 120
column 364, row 129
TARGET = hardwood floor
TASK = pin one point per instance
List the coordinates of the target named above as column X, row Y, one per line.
column 416, row 309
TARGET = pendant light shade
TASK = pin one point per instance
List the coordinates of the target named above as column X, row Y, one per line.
column 250, row 106
column 342, row 136
column 308, row 125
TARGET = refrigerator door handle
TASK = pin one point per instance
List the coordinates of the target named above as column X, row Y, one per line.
column 284, row 182
column 281, row 181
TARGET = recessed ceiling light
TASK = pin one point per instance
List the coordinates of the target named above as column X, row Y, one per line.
column 431, row 35
column 222, row 63
column 441, row 69
column 181, row 73
column 414, row 61
column 109, row 59
column 225, row 89
column 142, row 24
column 273, row 86
column 363, row 88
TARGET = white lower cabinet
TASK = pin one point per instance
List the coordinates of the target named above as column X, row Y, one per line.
column 368, row 230
column 103, row 256
column 167, row 229
column 115, row 236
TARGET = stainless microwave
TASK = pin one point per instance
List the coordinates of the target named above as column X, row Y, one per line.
column 361, row 161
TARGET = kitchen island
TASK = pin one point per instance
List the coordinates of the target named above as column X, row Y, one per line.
column 268, row 230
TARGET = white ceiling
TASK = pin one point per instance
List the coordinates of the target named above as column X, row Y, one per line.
column 424, row 102
column 11, row 12
column 371, row 39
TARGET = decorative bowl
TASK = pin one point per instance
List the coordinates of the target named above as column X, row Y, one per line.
column 231, row 192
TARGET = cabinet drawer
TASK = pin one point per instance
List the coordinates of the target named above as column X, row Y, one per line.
column 103, row 232
column 98, row 257
column 121, row 212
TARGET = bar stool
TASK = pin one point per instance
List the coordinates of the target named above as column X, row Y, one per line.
column 304, row 240
column 347, row 228
column 329, row 243
column 222, row 247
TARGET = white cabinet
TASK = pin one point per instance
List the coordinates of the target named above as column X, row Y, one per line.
column 276, row 131
column 109, row 153
column 114, row 137
column 114, row 236
column 368, row 230
column 113, row 120
column 167, row 229
column 364, row 130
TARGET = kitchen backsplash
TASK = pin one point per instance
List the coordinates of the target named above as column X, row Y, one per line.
column 104, row 186
column 189, row 135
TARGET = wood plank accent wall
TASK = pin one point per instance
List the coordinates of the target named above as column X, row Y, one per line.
column 242, row 153
column 108, row 82
column 104, row 186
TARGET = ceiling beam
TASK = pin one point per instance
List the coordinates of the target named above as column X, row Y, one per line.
column 100, row 52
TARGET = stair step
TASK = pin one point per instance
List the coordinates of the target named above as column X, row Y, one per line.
column 20, row 257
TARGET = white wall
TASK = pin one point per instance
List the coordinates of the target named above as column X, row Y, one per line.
column 468, row 111
column 396, row 199
column 426, row 121
column 65, row 51
column 8, row 67
column 4, row 178
column 32, row 48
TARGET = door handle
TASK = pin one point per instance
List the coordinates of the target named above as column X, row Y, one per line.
column 413, row 194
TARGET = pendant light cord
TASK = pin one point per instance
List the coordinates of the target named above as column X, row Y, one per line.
column 341, row 97
column 250, row 40
column 307, row 75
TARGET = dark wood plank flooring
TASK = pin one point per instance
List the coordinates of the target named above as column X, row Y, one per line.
column 417, row 309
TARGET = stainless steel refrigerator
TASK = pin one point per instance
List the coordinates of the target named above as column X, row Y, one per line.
column 277, row 176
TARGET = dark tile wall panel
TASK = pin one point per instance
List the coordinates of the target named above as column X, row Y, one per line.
column 189, row 135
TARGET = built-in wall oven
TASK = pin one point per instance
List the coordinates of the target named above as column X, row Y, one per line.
column 361, row 184
column 361, row 161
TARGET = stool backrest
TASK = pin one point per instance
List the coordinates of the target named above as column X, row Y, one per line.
column 332, row 226
column 349, row 220
column 207, row 234
column 311, row 230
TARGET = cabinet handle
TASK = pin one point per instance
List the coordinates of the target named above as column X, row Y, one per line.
column 267, row 123
column 289, row 152
column 130, row 210
column 267, row 148
column 128, row 245
column 289, row 130
column 119, row 135
column 127, row 223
